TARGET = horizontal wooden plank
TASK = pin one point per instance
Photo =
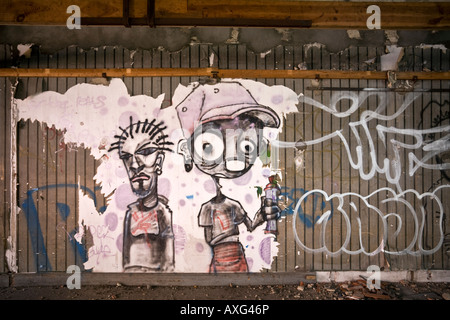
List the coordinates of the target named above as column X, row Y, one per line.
column 331, row 74
column 162, row 279
column 196, row 279
column 311, row 14
column 221, row 73
column 107, row 72
column 330, row 14
column 54, row 12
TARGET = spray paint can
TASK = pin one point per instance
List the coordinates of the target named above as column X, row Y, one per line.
column 272, row 192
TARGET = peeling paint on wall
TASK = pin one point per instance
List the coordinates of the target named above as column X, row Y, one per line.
column 25, row 49
column 434, row 46
column 390, row 60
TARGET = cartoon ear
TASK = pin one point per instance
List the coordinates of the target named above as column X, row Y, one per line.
column 160, row 160
column 183, row 149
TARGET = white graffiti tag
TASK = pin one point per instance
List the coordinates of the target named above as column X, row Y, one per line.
column 345, row 204
column 395, row 205
column 390, row 167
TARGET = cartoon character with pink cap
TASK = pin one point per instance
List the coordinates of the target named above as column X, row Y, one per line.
column 222, row 125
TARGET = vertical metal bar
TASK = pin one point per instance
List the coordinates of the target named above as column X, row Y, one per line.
column 126, row 13
column 360, row 256
column 12, row 263
column 322, row 157
column 313, row 256
column 305, row 266
column 151, row 13
column 340, row 165
column 3, row 185
column 347, row 83
column 4, row 117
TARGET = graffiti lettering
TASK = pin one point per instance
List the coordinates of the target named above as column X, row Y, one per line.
column 430, row 143
column 95, row 102
column 390, row 168
column 100, row 250
column 345, row 205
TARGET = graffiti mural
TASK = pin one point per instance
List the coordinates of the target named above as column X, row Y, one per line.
column 147, row 236
column 223, row 124
column 179, row 182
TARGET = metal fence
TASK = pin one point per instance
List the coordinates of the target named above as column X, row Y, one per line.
column 345, row 207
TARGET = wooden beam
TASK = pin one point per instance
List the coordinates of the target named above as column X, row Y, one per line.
column 251, row 13
column 98, row 73
column 330, row 14
column 220, row 73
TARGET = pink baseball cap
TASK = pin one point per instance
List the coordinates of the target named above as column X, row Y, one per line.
column 222, row 101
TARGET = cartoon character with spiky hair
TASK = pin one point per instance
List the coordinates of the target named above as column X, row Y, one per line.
column 148, row 240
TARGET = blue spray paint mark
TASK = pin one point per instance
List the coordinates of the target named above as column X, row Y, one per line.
column 34, row 228
column 35, row 231
column 64, row 210
column 81, row 256
column 308, row 219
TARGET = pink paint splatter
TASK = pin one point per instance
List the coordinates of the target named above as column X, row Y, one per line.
column 265, row 250
column 124, row 119
column 277, row 99
column 243, row 180
column 199, row 247
column 248, row 198
column 119, row 242
column 180, row 238
column 124, row 196
column 111, row 221
column 164, row 187
column 209, row 186
column 249, row 263
column 123, row 101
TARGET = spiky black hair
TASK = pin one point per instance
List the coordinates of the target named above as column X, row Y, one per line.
column 154, row 130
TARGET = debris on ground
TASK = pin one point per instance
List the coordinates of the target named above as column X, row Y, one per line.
column 350, row 290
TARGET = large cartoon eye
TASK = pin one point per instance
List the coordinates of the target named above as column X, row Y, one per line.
column 209, row 146
column 246, row 146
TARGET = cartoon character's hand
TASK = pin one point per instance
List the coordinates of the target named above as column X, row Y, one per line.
column 270, row 209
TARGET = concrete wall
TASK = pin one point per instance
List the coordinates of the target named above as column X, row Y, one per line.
column 368, row 190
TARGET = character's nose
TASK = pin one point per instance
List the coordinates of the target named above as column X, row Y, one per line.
column 135, row 166
column 234, row 161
